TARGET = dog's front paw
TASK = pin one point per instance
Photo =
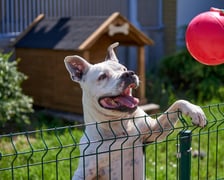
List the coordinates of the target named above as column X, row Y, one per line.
column 198, row 116
column 195, row 112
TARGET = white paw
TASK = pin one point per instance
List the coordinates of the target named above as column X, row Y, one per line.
column 195, row 112
column 198, row 116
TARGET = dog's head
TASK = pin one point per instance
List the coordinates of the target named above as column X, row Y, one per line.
column 107, row 86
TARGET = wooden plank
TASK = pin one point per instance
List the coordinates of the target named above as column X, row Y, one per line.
column 150, row 108
column 49, row 82
column 36, row 20
column 94, row 36
column 141, row 73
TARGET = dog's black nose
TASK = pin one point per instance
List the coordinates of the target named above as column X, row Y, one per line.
column 127, row 74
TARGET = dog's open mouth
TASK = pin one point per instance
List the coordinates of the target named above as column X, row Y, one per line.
column 123, row 102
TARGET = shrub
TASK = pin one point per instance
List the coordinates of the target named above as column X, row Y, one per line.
column 181, row 76
column 14, row 105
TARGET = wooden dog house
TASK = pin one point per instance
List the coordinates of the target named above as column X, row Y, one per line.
column 43, row 46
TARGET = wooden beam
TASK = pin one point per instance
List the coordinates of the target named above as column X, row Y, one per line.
column 138, row 37
column 86, row 55
column 36, row 20
column 91, row 39
column 150, row 108
column 141, row 74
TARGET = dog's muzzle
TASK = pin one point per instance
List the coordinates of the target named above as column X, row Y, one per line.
column 123, row 101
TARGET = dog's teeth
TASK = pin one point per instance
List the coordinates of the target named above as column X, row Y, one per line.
column 132, row 86
column 130, row 92
column 113, row 102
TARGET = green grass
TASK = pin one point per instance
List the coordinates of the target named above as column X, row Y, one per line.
column 53, row 154
column 42, row 154
column 162, row 161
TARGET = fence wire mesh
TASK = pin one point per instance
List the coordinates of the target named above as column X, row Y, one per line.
column 54, row 153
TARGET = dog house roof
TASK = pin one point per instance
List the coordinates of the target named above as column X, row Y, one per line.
column 79, row 33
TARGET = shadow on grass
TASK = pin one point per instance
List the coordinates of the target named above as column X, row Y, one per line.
column 42, row 119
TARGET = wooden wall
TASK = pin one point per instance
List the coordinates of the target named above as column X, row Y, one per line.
column 48, row 81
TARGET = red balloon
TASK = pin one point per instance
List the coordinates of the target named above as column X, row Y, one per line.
column 205, row 37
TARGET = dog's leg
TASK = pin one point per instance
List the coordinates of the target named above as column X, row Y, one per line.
column 161, row 127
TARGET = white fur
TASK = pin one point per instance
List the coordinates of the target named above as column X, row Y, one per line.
column 103, row 157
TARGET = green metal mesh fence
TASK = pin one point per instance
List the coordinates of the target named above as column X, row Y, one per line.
column 188, row 152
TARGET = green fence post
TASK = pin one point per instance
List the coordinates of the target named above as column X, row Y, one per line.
column 185, row 155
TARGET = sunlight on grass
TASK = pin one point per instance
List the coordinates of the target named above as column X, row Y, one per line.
column 54, row 153
column 41, row 154
column 162, row 157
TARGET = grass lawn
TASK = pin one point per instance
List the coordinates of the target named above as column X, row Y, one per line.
column 162, row 160
column 52, row 153
column 46, row 154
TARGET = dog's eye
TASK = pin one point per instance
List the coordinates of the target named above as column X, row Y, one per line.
column 102, row 77
column 124, row 69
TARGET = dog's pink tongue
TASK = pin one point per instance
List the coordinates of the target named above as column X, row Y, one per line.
column 119, row 101
column 127, row 101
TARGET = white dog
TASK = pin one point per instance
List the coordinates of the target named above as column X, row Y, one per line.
column 116, row 128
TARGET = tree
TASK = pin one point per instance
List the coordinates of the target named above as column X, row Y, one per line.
column 14, row 105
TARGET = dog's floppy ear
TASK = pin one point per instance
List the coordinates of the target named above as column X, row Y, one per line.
column 77, row 67
column 110, row 52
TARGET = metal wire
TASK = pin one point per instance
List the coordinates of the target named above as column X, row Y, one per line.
column 54, row 153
